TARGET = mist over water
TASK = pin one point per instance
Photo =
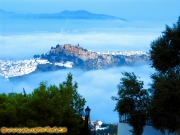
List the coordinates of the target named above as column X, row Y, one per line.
column 22, row 39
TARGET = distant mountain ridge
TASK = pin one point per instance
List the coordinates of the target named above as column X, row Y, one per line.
column 79, row 14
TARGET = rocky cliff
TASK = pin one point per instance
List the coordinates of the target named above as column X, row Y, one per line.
column 84, row 59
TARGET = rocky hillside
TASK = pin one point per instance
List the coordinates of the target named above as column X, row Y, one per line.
column 68, row 56
column 84, row 59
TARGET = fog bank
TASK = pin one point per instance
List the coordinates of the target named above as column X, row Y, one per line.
column 96, row 86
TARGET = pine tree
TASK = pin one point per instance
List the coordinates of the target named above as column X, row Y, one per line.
column 132, row 101
column 165, row 56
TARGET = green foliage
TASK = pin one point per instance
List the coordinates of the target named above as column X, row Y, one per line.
column 45, row 106
column 165, row 105
column 165, row 55
column 132, row 100
column 165, row 51
column 71, row 103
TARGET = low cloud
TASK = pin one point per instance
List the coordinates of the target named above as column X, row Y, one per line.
column 96, row 86
column 27, row 45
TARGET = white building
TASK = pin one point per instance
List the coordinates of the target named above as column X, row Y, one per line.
column 97, row 125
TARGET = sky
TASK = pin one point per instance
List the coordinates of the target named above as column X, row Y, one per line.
column 146, row 21
column 130, row 9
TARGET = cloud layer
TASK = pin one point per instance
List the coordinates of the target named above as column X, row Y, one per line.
column 96, row 86
column 25, row 46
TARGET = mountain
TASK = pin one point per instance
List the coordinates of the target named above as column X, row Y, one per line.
column 5, row 14
column 88, row 60
column 69, row 56
column 80, row 14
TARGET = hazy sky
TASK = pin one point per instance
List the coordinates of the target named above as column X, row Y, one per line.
column 129, row 9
